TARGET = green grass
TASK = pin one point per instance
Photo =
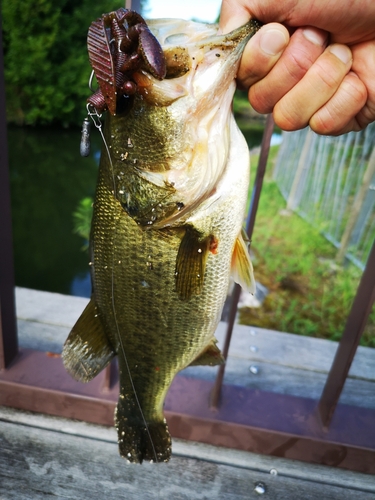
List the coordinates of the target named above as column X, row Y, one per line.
column 309, row 293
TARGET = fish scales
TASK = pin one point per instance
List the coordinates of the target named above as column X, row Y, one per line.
column 162, row 247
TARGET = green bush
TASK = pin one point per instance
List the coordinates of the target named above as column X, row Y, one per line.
column 45, row 58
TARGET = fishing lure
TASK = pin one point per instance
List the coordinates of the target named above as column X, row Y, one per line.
column 119, row 44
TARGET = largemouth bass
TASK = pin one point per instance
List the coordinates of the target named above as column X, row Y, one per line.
column 166, row 229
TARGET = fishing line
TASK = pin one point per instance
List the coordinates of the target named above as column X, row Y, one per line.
column 95, row 116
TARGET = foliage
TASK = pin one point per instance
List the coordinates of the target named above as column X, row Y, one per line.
column 45, row 57
column 309, row 293
column 82, row 219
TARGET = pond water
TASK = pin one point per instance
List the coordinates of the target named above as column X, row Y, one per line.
column 48, row 179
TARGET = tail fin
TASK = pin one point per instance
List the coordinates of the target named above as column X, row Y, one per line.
column 138, row 439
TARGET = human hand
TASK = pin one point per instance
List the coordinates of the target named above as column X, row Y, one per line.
column 322, row 74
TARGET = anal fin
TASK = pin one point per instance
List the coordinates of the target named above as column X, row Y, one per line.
column 87, row 349
column 211, row 356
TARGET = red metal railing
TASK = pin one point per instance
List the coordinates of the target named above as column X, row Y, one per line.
column 220, row 414
column 8, row 333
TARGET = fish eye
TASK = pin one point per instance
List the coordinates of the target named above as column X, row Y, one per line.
column 177, row 39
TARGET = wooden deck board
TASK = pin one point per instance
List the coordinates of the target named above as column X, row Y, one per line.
column 287, row 363
column 48, row 457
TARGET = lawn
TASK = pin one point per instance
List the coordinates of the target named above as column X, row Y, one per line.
column 309, row 294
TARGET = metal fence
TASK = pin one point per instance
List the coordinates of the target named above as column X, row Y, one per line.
column 330, row 182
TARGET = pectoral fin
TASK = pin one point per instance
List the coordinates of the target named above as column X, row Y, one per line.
column 87, row 349
column 211, row 356
column 191, row 263
column 242, row 268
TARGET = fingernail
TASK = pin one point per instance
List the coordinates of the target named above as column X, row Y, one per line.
column 272, row 42
column 316, row 37
column 342, row 52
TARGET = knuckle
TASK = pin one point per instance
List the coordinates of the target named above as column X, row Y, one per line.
column 297, row 63
column 329, row 77
column 355, row 89
column 324, row 123
column 335, row 115
column 286, row 119
column 260, row 100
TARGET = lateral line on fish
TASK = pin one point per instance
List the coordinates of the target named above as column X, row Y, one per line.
column 115, row 315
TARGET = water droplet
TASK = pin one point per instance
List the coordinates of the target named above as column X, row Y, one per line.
column 254, row 348
column 254, row 369
column 273, row 472
column 90, row 263
column 260, row 488
column 199, row 250
column 253, row 332
column 129, row 455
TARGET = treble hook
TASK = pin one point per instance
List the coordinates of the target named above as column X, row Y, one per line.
column 84, row 147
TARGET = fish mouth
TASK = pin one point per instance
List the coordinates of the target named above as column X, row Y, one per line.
column 177, row 32
column 235, row 37
column 199, row 48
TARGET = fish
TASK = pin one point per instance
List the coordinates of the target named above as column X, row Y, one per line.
column 166, row 234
